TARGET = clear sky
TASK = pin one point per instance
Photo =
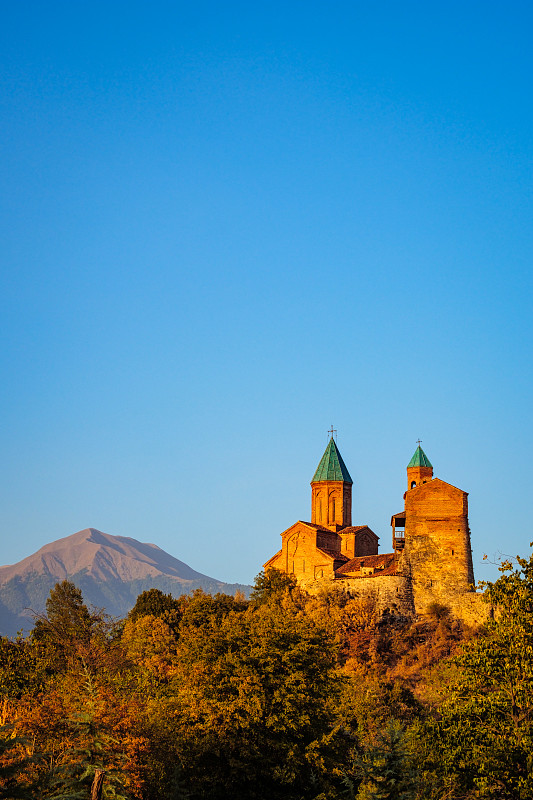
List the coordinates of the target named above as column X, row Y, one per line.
column 226, row 226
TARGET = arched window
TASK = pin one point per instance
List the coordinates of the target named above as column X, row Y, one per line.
column 413, row 484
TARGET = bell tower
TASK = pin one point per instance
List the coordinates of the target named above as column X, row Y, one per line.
column 419, row 469
column 436, row 546
column 331, row 491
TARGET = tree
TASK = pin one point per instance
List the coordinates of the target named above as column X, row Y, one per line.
column 385, row 769
column 271, row 584
column 484, row 737
column 253, row 695
column 200, row 608
column 70, row 632
column 15, row 766
column 67, row 617
column 21, row 671
column 154, row 603
column 80, row 724
column 71, row 777
column 151, row 644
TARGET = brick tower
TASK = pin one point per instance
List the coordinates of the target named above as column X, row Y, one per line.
column 437, row 536
column 419, row 469
column 331, row 491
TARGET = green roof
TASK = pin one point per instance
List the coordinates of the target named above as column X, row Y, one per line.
column 332, row 467
column 419, row 459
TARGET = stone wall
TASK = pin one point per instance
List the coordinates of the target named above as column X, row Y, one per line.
column 437, row 544
column 470, row 607
column 391, row 593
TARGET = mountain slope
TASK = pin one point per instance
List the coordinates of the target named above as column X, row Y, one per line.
column 110, row 570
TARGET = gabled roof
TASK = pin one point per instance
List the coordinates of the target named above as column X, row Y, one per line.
column 310, row 525
column 315, row 526
column 331, row 467
column 383, row 564
column 274, row 557
column 358, row 529
column 433, row 484
column 333, row 554
column 419, row 459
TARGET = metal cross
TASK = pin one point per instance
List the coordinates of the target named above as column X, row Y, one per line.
column 419, row 442
column 332, row 431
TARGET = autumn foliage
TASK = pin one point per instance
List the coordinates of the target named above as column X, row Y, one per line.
column 284, row 696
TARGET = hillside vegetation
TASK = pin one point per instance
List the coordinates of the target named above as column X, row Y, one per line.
column 281, row 697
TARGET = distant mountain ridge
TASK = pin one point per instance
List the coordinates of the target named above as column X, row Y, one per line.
column 110, row 570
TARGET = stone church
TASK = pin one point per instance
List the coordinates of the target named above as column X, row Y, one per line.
column 431, row 558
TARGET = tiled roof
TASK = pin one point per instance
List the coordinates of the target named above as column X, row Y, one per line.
column 356, row 528
column 333, row 554
column 383, row 564
column 315, row 526
column 419, row 459
column 331, row 467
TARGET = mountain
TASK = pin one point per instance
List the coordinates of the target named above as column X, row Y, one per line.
column 110, row 570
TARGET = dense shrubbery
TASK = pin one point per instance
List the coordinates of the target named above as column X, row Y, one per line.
column 283, row 696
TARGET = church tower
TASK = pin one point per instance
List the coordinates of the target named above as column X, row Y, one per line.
column 331, row 491
column 437, row 547
column 419, row 469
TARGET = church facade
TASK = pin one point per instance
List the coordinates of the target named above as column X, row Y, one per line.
column 431, row 558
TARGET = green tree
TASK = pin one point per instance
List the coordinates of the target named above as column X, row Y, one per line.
column 385, row 770
column 69, row 631
column 271, row 584
column 254, row 694
column 71, row 777
column 200, row 608
column 67, row 617
column 154, row 603
column 483, row 741
column 21, row 671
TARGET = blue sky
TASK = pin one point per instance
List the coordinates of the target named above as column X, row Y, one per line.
column 227, row 226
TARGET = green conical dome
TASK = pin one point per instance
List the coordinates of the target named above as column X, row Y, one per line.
column 332, row 467
column 419, row 459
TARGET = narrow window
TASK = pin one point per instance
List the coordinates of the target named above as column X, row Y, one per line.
column 303, row 565
column 413, row 484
